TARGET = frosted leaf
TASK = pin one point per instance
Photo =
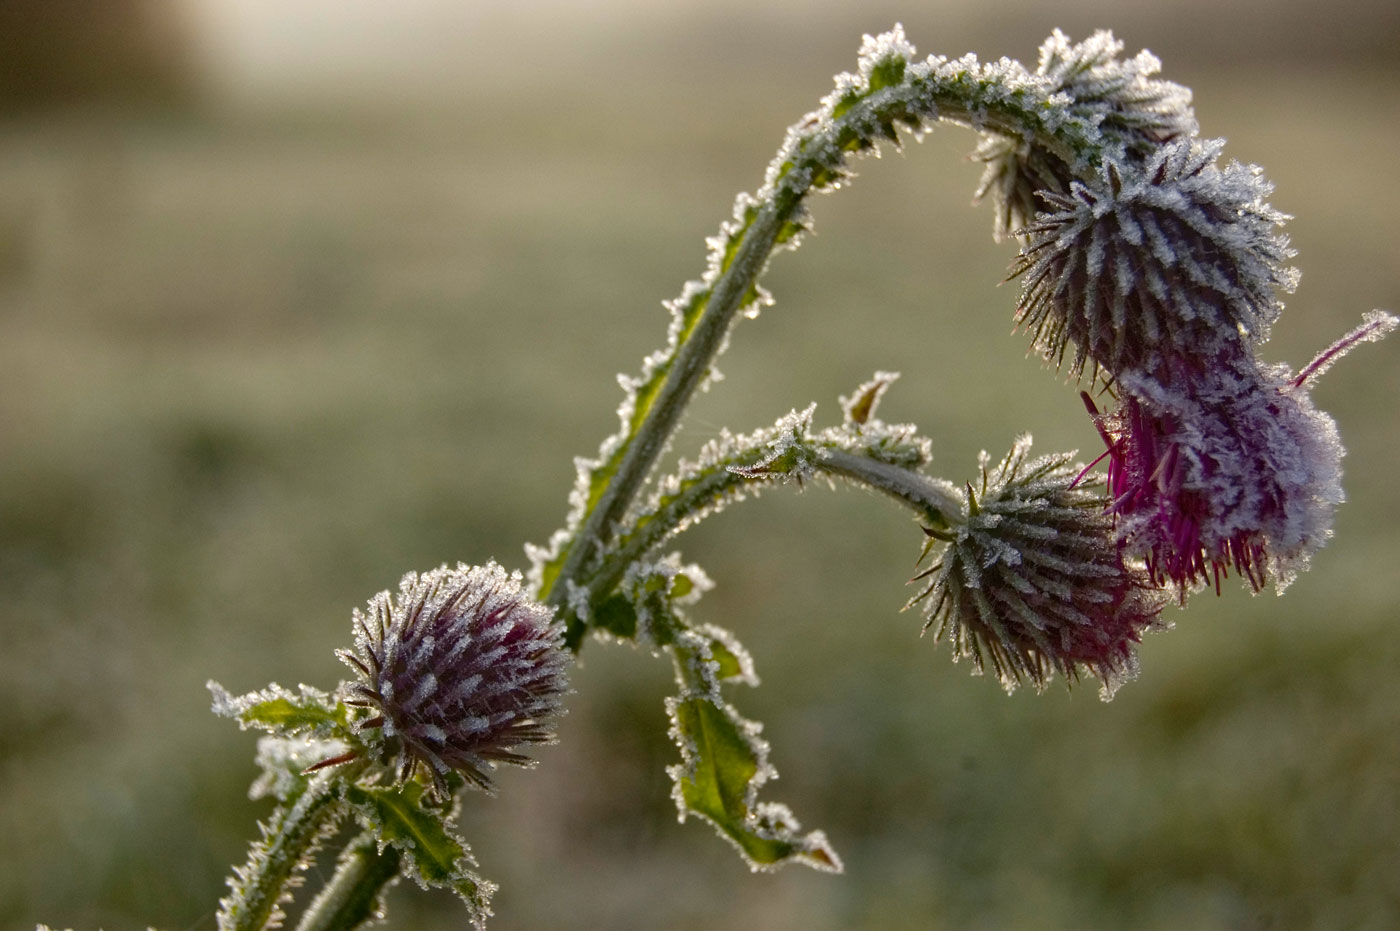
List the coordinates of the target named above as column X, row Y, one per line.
column 425, row 835
column 863, row 402
column 656, row 592
column 724, row 764
column 282, row 711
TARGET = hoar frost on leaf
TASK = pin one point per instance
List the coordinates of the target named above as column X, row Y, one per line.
column 305, row 711
column 434, row 856
column 284, row 762
column 724, row 764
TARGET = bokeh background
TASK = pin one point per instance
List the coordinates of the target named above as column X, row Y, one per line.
column 295, row 297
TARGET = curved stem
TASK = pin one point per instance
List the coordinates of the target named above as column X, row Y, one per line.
column 932, row 497
column 692, row 363
column 867, row 108
column 934, row 500
column 355, row 894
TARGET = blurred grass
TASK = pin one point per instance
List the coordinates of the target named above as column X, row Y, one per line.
column 258, row 360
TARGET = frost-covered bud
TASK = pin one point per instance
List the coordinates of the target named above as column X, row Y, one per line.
column 1179, row 261
column 1117, row 97
column 460, row 669
column 1032, row 581
column 1239, row 475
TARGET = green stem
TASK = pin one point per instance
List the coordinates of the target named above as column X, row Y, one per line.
column 692, row 362
column 813, row 158
column 355, row 894
column 933, row 500
column 259, row 889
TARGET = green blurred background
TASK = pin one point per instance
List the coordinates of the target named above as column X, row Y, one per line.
column 297, row 297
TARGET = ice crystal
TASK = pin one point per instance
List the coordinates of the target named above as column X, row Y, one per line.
column 889, row 94
column 1177, row 262
column 725, row 763
column 1031, row 581
column 1117, row 97
column 284, row 762
column 1240, row 472
column 459, row 669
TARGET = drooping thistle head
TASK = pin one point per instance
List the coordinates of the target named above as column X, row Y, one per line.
column 1031, row 581
column 459, row 669
column 1120, row 97
column 1175, row 265
column 1242, row 472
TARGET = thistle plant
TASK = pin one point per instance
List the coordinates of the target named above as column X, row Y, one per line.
column 1150, row 272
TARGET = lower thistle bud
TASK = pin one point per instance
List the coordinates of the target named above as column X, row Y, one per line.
column 458, row 670
column 1031, row 580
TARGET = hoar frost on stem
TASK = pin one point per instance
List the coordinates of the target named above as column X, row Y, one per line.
column 1143, row 262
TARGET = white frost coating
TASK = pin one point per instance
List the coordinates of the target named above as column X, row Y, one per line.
column 863, row 403
column 1375, row 325
column 649, row 587
column 475, row 891
column 283, row 761
column 765, row 820
column 732, row 467
column 1120, row 100
column 1032, row 583
column 227, row 705
column 1252, row 461
column 877, row 50
column 1177, row 259
column 999, row 95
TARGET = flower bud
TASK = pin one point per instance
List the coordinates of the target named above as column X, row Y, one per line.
column 460, row 669
column 1176, row 261
column 1121, row 98
column 1032, row 581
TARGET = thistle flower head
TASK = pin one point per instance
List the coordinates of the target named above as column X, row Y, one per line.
column 1239, row 475
column 1032, row 582
column 1118, row 97
column 1177, row 260
column 460, row 668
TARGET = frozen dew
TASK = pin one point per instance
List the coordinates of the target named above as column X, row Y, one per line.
column 455, row 672
column 1030, row 581
column 1178, row 263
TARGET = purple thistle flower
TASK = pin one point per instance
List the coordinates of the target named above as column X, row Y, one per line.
column 1241, row 474
column 460, row 669
column 1032, row 580
column 1175, row 262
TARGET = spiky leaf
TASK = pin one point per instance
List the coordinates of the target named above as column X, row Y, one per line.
column 284, row 712
column 724, row 763
column 434, row 856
